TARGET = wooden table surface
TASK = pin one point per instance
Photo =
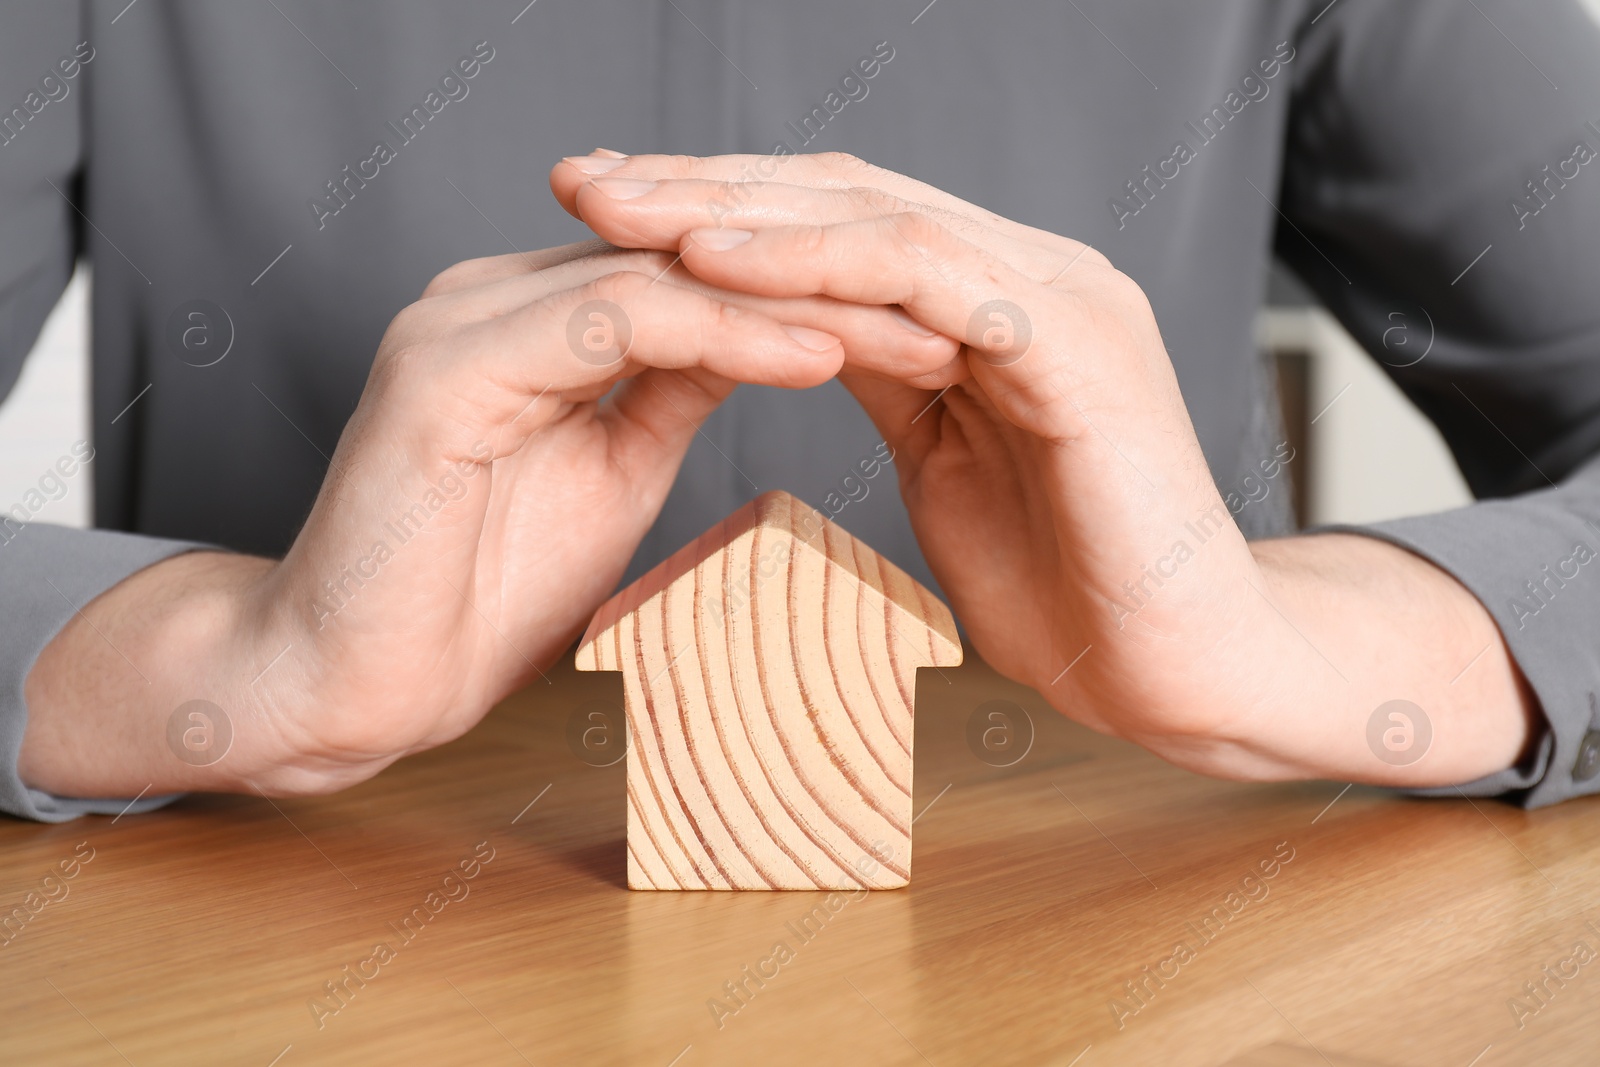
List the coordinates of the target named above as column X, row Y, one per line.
column 1399, row 932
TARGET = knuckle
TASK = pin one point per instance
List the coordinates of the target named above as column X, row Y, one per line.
column 1117, row 309
column 919, row 229
column 619, row 286
column 1126, row 293
column 681, row 165
column 841, row 163
column 838, row 159
column 725, row 318
column 438, row 286
column 456, row 276
column 877, row 200
column 1096, row 258
column 398, row 369
column 1067, row 270
column 640, row 260
column 731, row 193
column 810, row 240
column 413, row 321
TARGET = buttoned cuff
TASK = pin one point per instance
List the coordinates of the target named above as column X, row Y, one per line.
column 1534, row 563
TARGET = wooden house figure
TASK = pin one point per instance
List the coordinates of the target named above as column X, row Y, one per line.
column 770, row 670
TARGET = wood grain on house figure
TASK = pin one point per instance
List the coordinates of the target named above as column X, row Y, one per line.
column 769, row 675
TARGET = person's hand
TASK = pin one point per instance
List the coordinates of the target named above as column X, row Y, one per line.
column 482, row 501
column 1060, row 494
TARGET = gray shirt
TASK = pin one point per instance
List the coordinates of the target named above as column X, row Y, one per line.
column 220, row 166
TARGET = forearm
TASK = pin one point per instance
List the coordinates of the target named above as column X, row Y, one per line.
column 1348, row 624
column 102, row 693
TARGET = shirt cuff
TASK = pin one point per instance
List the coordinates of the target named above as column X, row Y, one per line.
column 1534, row 563
column 47, row 574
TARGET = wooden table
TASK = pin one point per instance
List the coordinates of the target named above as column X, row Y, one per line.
column 1398, row 933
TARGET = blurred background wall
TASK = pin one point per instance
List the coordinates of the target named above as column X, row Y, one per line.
column 1367, row 453
column 49, row 410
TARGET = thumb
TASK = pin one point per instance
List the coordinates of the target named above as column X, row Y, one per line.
column 907, row 418
column 655, row 415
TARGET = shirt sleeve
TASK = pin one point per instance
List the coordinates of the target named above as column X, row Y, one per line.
column 46, row 572
column 1441, row 191
column 47, row 575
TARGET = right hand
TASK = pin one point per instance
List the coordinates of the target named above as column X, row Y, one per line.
column 528, row 490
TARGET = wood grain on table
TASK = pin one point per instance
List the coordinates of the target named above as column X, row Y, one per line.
column 468, row 907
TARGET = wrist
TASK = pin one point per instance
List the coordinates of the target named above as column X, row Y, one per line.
column 204, row 644
column 1366, row 627
column 1199, row 669
column 139, row 691
column 296, row 704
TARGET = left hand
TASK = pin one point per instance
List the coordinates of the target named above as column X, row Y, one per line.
column 1056, row 484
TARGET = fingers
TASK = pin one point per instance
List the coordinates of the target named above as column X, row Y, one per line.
column 655, row 416
column 1039, row 352
column 882, row 341
column 637, row 213
column 642, row 213
column 909, row 260
column 828, row 170
column 490, row 371
column 744, row 190
column 475, row 273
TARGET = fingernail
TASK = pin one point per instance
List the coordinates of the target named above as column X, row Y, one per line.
column 815, row 340
column 591, row 165
column 609, row 152
column 623, row 188
column 719, row 240
column 908, row 322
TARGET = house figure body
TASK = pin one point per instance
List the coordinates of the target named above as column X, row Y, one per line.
column 770, row 673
